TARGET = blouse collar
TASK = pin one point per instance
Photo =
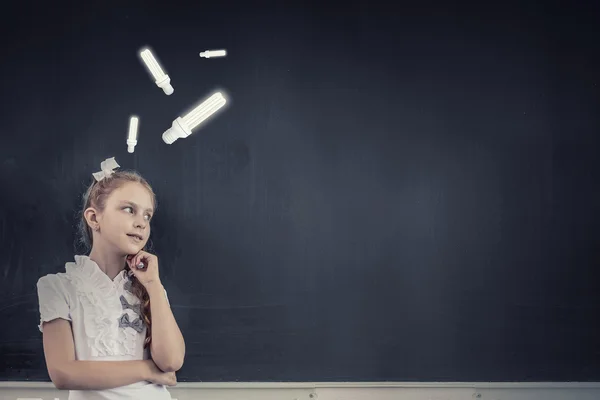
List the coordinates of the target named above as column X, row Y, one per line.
column 87, row 267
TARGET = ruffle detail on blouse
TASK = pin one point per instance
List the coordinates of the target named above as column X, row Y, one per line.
column 99, row 297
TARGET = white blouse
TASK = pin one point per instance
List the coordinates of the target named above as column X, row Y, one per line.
column 105, row 320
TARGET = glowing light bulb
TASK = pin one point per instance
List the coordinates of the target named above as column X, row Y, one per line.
column 133, row 132
column 161, row 79
column 213, row 53
column 183, row 126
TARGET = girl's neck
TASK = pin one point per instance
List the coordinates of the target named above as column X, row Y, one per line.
column 110, row 263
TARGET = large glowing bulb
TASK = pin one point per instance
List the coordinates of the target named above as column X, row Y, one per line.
column 133, row 132
column 161, row 79
column 183, row 126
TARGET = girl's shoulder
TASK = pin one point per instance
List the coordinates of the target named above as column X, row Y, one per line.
column 61, row 282
column 58, row 282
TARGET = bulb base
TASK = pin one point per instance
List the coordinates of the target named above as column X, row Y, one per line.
column 169, row 136
column 165, row 84
column 179, row 129
column 131, row 145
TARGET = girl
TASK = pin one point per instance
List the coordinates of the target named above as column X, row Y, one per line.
column 108, row 329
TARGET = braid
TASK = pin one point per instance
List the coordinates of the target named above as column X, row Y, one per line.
column 141, row 293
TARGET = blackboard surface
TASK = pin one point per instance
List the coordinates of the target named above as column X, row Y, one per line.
column 390, row 195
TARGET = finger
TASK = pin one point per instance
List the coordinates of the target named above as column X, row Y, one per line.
column 131, row 268
column 141, row 261
column 148, row 259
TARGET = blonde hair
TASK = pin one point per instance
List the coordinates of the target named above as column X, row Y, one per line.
column 96, row 196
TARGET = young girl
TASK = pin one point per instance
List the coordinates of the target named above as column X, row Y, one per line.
column 108, row 329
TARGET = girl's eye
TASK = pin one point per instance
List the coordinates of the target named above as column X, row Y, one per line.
column 148, row 216
column 128, row 208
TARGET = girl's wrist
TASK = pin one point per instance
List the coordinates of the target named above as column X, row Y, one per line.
column 154, row 287
column 147, row 370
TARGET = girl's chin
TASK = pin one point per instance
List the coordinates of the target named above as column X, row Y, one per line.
column 133, row 249
column 129, row 247
column 129, row 250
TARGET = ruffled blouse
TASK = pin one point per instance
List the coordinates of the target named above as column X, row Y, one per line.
column 105, row 318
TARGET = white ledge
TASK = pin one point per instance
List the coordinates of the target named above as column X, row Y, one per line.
column 343, row 385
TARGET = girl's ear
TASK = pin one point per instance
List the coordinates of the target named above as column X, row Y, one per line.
column 91, row 217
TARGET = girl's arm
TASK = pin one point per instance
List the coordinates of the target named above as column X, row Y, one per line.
column 67, row 373
column 167, row 346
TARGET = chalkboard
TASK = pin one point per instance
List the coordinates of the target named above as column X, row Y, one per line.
column 388, row 195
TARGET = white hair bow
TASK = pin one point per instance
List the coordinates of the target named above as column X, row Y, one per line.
column 107, row 166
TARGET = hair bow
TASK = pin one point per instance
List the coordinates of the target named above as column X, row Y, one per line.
column 137, row 324
column 106, row 169
column 126, row 305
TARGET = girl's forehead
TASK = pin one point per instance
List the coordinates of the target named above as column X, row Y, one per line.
column 132, row 192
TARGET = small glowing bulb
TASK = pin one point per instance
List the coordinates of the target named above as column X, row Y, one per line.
column 213, row 53
column 133, row 133
column 161, row 79
column 183, row 126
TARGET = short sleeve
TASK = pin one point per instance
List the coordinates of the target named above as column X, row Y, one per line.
column 52, row 299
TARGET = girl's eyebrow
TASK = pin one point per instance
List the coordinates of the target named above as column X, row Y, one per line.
column 131, row 203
